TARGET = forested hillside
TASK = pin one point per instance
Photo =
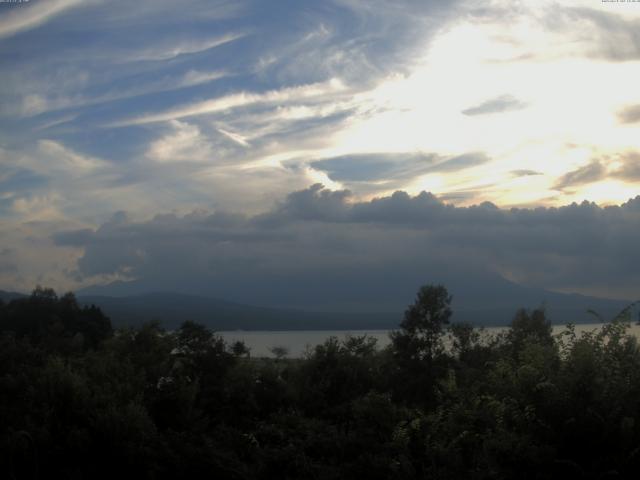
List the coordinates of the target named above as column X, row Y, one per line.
column 81, row 400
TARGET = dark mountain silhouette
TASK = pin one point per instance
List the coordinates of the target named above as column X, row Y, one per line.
column 478, row 298
column 481, row 303
column 8, row 296
column 174, row 308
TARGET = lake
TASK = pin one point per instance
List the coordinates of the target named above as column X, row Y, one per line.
column 296, row 342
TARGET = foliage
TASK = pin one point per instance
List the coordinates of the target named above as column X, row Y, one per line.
column 418, row 349
column 78, row 400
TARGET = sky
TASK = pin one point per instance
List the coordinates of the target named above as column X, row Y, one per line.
column 220, row 146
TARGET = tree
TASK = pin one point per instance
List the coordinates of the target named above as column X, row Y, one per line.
column 56, row 323
column 464, row 337
column 279, row 351
column 530, row 327
column 240, row 349
column 423, row 324
column 417, row 347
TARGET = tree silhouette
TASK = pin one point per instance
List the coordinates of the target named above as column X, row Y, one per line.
column 279, row 351
column 423, row 324
column 418, row 345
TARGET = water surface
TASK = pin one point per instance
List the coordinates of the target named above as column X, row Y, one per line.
column 297, row 342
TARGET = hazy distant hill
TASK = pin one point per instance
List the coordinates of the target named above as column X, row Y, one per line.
column 172, row 309
column 482, row 298
column 479, row 301
column 8, row 296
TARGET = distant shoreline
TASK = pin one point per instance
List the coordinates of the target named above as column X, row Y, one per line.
column 296, row 341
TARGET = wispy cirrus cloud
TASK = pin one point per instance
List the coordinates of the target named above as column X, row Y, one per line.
column 175, row 48
column 35, row 104
column 236, row 137
column 281, row 96
column 28, row 16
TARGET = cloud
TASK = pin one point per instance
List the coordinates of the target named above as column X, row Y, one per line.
column 18, row 183
column 74, row 238
column 504, row 103
column 36, row 183
column 630, row 114
column 525, row 173
column 239, row 139
column 220, row 104
column 57, row 121
column 385, row 167
column 391, row 170
column 230, row 105
column 27, row 17
column 611, row 37
column 163, row 14
column 623, row 166
column 592, row 172
column 317, row 240
column 35, row 104
column 59, row 184
column 313, row 203
column 174, row 49
column 629, row 170
column 7, row 267
column 74, row 163
column 461, row 162
column 184, row 166
column 17, row 178
column 360, row 42
column 184, row 143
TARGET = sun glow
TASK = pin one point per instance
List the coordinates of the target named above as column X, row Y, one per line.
column 609, row 192
column 538, row 105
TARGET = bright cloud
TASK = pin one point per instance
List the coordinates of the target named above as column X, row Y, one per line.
column 242, row 99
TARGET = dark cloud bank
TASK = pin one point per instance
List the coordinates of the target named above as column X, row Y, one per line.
column 317, row 249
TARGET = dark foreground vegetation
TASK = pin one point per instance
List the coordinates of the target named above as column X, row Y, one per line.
column 81, row 401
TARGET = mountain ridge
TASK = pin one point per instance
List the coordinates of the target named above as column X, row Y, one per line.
column 482, row 304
